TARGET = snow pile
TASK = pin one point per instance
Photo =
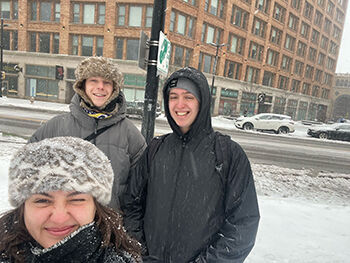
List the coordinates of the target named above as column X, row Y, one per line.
column 305, row 184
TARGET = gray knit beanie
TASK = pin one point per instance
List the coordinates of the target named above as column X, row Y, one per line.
column 60, row 163
column 186, row 84
column 98, row 67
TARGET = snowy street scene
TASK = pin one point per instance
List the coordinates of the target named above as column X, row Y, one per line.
column 304, row 213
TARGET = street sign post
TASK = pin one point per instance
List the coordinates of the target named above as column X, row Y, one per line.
column 164, row 50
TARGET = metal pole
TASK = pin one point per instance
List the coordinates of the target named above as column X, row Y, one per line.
column 1, row 51
column 151, row 91
column 214, row 69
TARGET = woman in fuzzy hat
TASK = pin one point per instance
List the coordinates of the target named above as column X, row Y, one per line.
column 59, row 189
column 98, row 114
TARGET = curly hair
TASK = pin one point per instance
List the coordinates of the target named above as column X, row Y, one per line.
column 110, row 223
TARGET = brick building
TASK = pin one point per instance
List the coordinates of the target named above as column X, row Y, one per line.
column 287, row 49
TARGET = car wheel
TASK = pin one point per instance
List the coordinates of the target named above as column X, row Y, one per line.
column 248, row 126
column 323, row 135
column 283, row 130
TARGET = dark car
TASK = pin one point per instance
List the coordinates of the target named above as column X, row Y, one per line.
column 135, row 109
column 335, row 131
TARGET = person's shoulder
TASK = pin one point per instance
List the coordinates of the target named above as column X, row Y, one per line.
column 112, row 255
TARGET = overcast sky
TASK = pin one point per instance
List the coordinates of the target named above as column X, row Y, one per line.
column 343, row 65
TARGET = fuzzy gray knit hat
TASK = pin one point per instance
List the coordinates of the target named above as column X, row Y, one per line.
column 97, row 67
column 60, row 163
column 186, row 84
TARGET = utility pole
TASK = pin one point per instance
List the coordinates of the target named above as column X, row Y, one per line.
column 1, row 52
column 151, row 91
column 214, row 66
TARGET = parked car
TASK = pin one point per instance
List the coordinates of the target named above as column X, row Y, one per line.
column 335, row 131
column 266, row 122
column 135, row 109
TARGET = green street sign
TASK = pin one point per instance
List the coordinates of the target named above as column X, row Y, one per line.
column 164, row 50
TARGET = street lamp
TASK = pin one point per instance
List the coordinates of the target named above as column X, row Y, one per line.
column 1, row 51
column 214, row 66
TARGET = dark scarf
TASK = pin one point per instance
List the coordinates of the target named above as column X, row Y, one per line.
column 107, row 112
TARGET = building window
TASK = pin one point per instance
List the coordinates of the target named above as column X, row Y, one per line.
column 336, row 32
column 83, row 45
column 321, row 58
column 333, row 48
column 237, row 44
column 324, row 42
column 263, row 5
column 279, row 13
column 149, row 16
column 296, row 4
column 259, row 27
column 211, row 34
column 330, row 8
column 312, row 54
column 305, row 30
column 309, row 72
column 275, row 35
column 192, row 2
column 182, row 56
column 328, row 79
column 215, row 7
column 330, row 64
column 9, row 9
column 256, row 51
column 43, row 42
column 301, row 50
column 183, row 24
column 283, row 82
column 252, row 74
column 298, row 68
column 286, row 63
column 315, row 90
column 269, row 78
column 99, row 46
column 134, row 15
column 272, row 57
column 321, row 3
column 206, row 62
column 318, row 75
column 289, row 43
column 306, row 88
column 88, row 13
column 325, row 93
column 293, row 22
column 308, row 10
column 315, row 36
column 339, row 16
column 327, row 26
column 239, row 17
column 121, row 15
column 318, row 19
column 45, row 11
column 295, row 86
column 10, row 40
column 233, row 69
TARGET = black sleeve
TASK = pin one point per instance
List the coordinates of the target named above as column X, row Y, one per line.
column 236, row 237
column 133, row 200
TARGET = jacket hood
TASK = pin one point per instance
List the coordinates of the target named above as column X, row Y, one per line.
column 203, row 120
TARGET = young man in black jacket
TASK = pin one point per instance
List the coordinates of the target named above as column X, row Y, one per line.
column 180, row 203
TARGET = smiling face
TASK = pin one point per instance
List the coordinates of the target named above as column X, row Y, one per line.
column 183, row 108
column 98, row 90
column 50, row 217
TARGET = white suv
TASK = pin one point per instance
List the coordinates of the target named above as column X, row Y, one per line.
column 266, row 122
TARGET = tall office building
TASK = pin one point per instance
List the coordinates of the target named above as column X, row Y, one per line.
column 284, row 49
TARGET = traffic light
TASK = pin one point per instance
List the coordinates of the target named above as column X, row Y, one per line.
column 261, row 98
column 59, row 72
column 3, row 75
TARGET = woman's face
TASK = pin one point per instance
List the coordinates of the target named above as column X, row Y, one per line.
column 98, row 90
column 50, row 217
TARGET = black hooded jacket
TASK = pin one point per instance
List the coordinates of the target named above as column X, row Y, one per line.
column 179, row 206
